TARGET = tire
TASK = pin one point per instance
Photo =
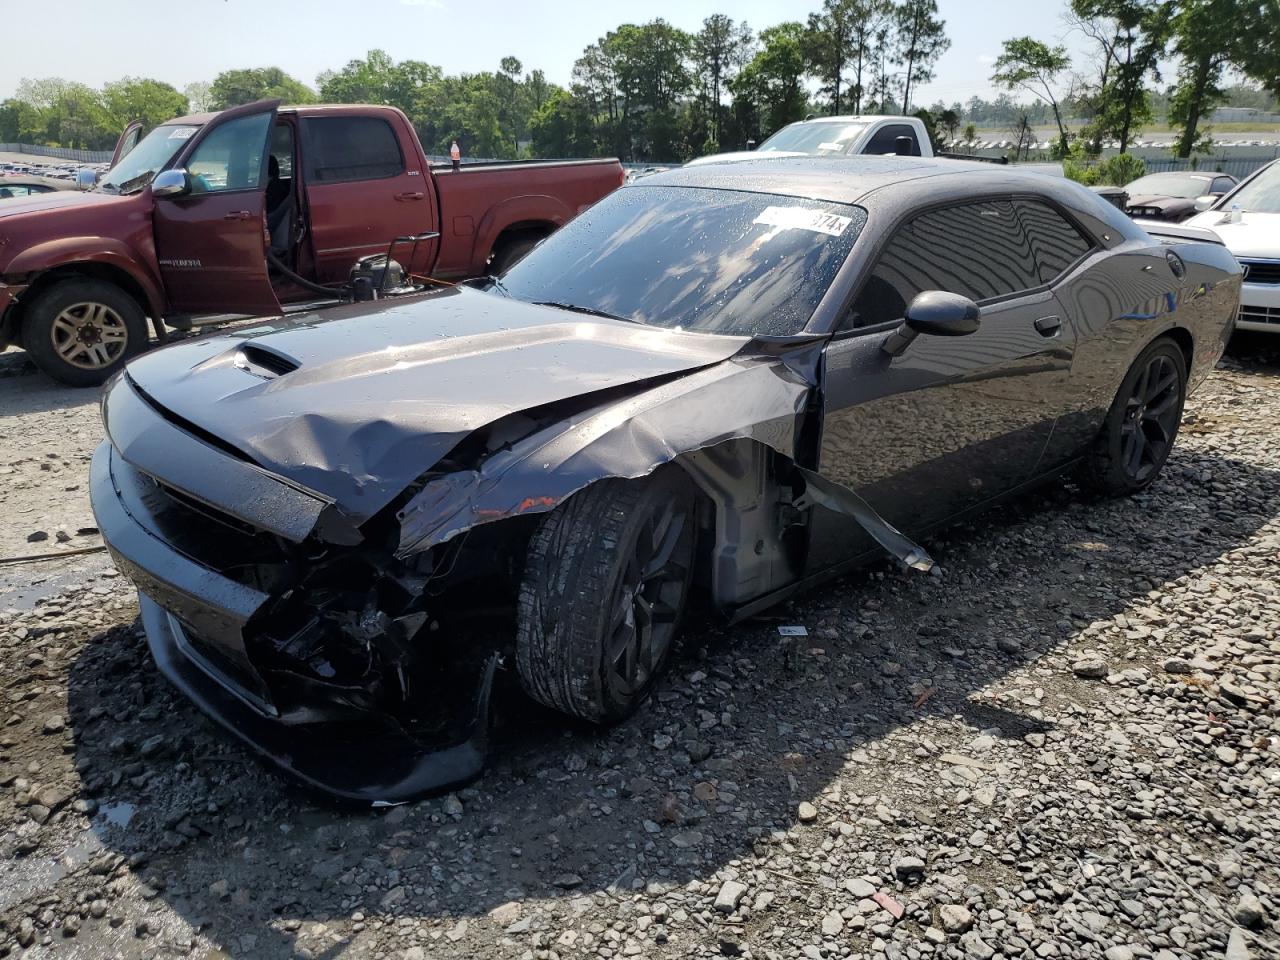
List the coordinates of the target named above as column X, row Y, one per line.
column 82, row 331
column 1142, row 424
column 511, row 251
column 581, row 643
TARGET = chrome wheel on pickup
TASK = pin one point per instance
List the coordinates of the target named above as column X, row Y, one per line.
column 81, row 331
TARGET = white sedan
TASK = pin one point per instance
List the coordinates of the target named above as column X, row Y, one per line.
column 1248, row 221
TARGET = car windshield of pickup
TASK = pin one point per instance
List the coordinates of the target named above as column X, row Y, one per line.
column 713, row 261
column 152, row 154
column 819, row 139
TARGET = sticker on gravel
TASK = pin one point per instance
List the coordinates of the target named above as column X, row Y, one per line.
column 803, row 218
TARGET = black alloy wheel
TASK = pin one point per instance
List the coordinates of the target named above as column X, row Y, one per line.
column 648, row 601
column 1151, row 418
column 1142, row 425
column 605, row 585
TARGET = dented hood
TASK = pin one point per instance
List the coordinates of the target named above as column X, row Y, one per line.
column 357, row 403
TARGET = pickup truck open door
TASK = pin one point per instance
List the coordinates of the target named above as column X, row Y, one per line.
column 211, row 233
column 128, row 140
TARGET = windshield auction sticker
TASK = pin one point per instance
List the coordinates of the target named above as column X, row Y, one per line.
column 803, row 218
column 181, row 133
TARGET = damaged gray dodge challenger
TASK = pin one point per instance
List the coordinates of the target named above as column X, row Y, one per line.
column 713, row 388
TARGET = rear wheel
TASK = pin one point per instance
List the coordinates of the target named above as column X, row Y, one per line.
column 1142, row 424
column 511, row 251
column 82, row 331
column 603, row 594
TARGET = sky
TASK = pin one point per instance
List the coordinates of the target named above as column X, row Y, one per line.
column 95, row 42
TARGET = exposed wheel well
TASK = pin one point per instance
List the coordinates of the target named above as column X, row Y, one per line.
column 523, row 231
column 92, row 271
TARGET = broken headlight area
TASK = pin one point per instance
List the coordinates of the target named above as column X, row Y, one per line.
column 348, row 637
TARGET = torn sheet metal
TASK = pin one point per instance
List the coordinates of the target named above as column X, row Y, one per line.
column 754, row 398
column 749, row 398
column 834, row 496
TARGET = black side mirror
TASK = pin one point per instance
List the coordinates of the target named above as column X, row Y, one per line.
column 903, row 146
column 751, row 144
column 937, row 314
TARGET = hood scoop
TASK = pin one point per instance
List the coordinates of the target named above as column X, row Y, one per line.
column 265, row 362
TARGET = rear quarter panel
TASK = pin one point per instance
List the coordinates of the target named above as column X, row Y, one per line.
column 1121, row 300
column 478, row 202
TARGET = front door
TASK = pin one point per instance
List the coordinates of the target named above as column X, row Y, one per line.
column 952, row 421
column 211, row 240
column 363, row 191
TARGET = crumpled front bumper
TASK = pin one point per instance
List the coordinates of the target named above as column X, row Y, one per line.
column 195, row 620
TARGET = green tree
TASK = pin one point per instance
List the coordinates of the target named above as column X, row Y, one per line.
column 769, row 92
column 872, row 24
column 828, row 46
column 720, row 49
column 1131, row 36
column 150, row 101
column 199, row 96
column 1034, row 66
column 231, row 88
column 921, row 40
column 1259, row 52
column 379, row 79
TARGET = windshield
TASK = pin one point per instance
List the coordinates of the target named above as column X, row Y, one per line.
column 715, row 261
column 814, row 138
column 149, row 157
column 1259, row 195
column 1164, row 185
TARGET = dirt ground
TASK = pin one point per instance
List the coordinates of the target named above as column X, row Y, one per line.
column 1066, row 745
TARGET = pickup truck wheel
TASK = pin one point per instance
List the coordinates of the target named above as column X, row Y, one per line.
column 510, row 252
column 604, row 589
column 82, row 331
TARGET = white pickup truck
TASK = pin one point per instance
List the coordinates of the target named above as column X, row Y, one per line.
column 839, row 136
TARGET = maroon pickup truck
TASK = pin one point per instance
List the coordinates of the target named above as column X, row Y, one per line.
column 240, row 211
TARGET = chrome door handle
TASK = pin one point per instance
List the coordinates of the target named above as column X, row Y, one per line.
column 1048, row 326
column 237, row 215
column 410, row 195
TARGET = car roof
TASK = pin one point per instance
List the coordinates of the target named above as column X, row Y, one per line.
column 840, row 179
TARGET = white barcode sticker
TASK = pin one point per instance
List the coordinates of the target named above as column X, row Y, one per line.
column 804, row 218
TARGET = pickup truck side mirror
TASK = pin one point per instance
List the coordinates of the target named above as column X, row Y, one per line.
column 935, row 313
column 751, row 144
column 170, row 183
column 903, row 146
column 1207, row 201
column 86, row 178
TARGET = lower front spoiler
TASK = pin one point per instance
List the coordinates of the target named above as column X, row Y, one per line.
column 376, row 762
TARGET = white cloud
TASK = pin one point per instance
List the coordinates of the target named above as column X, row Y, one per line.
column 982, row 57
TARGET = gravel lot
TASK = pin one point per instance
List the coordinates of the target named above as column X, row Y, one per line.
column 1067, row 745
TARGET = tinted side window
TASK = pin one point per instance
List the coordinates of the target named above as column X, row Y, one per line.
column 1222, row 184
column 979, row 250
column 351, row 148
column 1056, row 242
column 885, row 140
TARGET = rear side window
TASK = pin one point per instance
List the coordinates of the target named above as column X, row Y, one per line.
column 341, row 149
column 1055, row 240
column 978, row 250
column 1222, row 184
column 885, row 140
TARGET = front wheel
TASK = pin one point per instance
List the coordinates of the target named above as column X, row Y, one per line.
column 604, row 590
column 82, row 331
column 1142, row 424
